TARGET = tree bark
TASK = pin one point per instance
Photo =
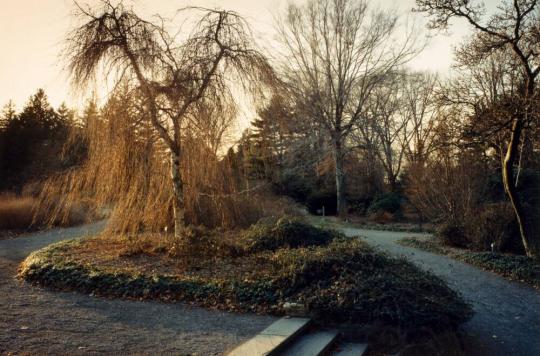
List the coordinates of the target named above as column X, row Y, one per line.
column 178, row 204
column 340, row 181
column 392, row 180
column 525, row 226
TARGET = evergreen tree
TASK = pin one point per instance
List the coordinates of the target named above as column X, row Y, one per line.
column 65, row 115
column 32, row 141
column 8, row 113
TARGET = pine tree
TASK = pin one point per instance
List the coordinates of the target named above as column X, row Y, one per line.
column 32, row 141
column 8, row 113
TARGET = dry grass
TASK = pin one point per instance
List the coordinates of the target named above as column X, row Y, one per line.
column 16, row 212
column 22, row 213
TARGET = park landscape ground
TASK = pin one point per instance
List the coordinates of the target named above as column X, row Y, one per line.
column 38, row 320
column 151, row 221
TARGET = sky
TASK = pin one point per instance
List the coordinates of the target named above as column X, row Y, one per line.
column 32, row 34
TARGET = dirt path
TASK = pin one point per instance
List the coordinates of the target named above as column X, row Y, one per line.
column 36, row 321
column 507, row 319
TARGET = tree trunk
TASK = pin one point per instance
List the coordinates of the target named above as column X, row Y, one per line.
column 340, row 181
column 525, row 226
column 392, row 180
column 178, row 195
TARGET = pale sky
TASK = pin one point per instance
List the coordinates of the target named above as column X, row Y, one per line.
column 32, row 34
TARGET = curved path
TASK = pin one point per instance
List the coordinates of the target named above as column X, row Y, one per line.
column 36, row 321
column 507, row 314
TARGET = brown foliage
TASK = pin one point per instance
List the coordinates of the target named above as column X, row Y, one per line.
column 127, row 173
column 16, row 212
column 23, row 212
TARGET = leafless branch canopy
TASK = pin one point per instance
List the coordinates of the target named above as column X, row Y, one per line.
column 178, row 78
column 337, row 52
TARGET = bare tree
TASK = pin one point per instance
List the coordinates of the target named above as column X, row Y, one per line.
column 337, row 52
column 420, row 107
column 179, row 81
column 514, row 27
column 382, row 132
column 398, row 124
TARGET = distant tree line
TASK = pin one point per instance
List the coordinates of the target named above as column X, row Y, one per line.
column 32, row 141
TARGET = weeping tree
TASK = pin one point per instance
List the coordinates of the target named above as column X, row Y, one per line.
column 180, row 82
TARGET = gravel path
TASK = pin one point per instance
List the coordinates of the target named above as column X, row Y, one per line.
column 507, row 318
column 36, row 321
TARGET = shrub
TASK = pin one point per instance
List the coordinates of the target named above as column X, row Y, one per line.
column 294, row 186
column 272, row 234
column 359, row 206
column 452, row 234
column 492, row 223
column 382, row 217
column 495, row 223
column 388, row 202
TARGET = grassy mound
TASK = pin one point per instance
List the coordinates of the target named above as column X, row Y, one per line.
column 513, row 267
column 342, row 280
column 286, row 232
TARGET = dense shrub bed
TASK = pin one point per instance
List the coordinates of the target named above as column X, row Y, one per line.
column 341, row 280
column 428, row 245
column 271, row 234
column 514, row 267
column 521, row 268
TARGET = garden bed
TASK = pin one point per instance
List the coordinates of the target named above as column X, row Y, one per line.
column 335, row 278
column 513, row 267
